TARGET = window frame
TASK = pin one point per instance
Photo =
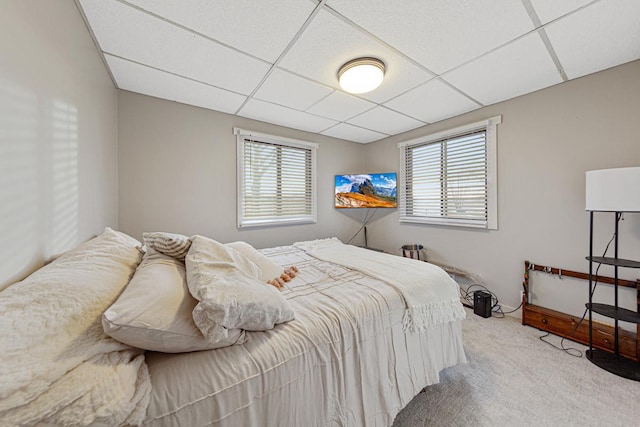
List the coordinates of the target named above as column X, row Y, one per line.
column 242, row 135
column 490, row 128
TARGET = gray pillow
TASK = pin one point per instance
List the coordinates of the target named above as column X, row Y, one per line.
column 173, row 245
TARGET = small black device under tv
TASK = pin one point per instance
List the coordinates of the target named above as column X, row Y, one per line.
column 375, row 190
column 482, row 303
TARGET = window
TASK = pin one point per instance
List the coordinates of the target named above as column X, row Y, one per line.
column 449, row 178
column 276, row 180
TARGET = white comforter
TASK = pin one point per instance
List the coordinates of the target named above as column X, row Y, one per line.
column 431, row 296
column 345, row 359
column 57, row 366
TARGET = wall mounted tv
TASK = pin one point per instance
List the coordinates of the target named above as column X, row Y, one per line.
column 375, row 190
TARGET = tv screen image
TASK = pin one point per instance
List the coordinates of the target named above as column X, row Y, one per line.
column 376, row 190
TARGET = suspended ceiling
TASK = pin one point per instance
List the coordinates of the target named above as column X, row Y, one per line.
column 277, row 60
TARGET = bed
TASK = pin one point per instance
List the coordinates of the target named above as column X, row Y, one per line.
column 347, row 359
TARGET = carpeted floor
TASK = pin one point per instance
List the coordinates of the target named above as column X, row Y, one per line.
column 514, row 379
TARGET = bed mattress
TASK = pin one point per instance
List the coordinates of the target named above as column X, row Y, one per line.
column 345, row 359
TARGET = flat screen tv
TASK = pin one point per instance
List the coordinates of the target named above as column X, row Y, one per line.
column 375, row 190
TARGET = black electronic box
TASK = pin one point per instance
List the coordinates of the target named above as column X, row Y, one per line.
column 482, row 303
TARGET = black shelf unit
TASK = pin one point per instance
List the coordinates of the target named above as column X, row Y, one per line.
column 615, row 261
column 612, row 362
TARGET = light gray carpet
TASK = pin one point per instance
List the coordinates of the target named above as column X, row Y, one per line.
column 514, row 379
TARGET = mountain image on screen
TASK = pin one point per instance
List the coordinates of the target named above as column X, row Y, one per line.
column 366, row 191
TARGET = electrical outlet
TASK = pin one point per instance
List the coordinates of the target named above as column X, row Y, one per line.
column 521, row 295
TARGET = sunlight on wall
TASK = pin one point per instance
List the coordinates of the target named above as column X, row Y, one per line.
column 18, row 182
column 38, row 180
column 63, row 216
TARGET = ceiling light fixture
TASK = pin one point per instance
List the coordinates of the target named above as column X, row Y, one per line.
column 361, row 75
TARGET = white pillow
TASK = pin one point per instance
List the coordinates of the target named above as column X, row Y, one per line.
column 269, row 269
column 50, row 335
column 173, row 245
column 231, row 292
column 155, row 310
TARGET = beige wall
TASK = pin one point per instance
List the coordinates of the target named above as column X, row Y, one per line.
column 546, row 142
column 178, row 173
column 58, row 130
column 62, row 152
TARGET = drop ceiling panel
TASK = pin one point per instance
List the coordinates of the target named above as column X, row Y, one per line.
column 271, row 113
column 284, row 88
column 597, row 37
column 548, row 10
column 340, row 106
column 383, row 120
column 521, row 67
column 353, row 133
column 214, row 54
column 260, row 28
column 127, row 32
column 439, row 34
column 432, row 102
column 148, row 81
column 329, row 42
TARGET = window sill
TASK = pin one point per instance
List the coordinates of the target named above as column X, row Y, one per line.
column 449, row 222
column 275, row 222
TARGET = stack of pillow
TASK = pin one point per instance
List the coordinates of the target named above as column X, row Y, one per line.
column 191, row 294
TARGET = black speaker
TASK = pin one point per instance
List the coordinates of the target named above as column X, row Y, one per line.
column 482, row 303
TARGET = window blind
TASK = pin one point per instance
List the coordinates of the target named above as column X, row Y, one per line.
column 276, row 183
column 446, row 179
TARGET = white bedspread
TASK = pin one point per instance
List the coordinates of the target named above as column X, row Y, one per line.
column 344, row 360
column 432, row 297
column 57, row 366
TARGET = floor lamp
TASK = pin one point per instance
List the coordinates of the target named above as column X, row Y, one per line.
column 615, row 191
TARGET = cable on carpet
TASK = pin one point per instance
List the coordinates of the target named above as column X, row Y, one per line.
column 466, row 295
column 569, row 350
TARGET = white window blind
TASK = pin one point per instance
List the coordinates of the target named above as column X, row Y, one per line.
column 449, row 178
column 276, row 180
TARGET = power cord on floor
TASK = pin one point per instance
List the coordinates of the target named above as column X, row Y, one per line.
column 572, row 351
column 466, row 295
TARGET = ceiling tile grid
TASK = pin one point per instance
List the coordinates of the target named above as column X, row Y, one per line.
column 384, row 120
column 450, row 32
column 277, row 61
column 126, row 32
column 149, row 81
column 549, row 10
column 289, row 90
column 597, row 37
column 329, row 42
column 432, row 102
column 515, row 69
column 283, row 116
column 341, row 106
column 353, row 133
column 259, row 28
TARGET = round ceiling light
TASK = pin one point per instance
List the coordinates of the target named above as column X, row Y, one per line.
column 361, row 75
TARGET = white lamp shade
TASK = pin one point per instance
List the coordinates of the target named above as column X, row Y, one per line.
column 613, row 190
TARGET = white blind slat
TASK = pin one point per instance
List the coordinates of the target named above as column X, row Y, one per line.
column 277, row 182
column 447, row 178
